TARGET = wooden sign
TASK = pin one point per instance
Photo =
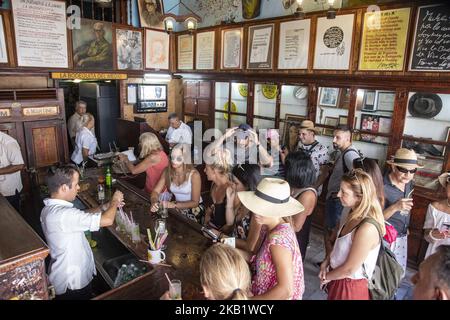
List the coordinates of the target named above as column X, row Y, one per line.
column 89, row 76
column 5, row 112
column 431, row 46
column 41, row 111
column 384, row 40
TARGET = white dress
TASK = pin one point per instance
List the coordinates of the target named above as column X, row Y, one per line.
column 436, row 219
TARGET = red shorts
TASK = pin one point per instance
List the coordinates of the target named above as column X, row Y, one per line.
column 348, row 289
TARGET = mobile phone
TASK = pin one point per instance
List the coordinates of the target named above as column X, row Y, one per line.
column 210, row 233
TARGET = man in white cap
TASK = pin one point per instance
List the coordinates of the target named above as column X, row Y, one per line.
column 398, row 188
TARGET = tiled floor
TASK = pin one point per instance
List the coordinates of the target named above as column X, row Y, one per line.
column 316, row 253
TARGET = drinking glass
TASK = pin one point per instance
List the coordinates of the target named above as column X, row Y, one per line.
column 160, row 229
column 175, row 289
column 135, row 233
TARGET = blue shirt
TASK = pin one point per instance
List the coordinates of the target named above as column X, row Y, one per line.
column 391, row 195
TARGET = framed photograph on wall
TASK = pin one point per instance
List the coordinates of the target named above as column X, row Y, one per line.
column 330, row 121
column 151, row 13
column 344, row 98
column 290, row 132
column 232, row 48
column 129, row 49
column 384, row 124
column 3, row 52
column 369, row 101
column 329, row 96
column 343, row 121
column 385, row 100
column 157, row 46
column 260, row 46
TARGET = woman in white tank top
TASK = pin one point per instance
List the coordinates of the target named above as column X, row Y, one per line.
column 355, row 251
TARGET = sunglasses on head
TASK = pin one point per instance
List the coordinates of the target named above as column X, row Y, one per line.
column 404, row 170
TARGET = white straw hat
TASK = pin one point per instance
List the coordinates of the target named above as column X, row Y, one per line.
column 272, row 198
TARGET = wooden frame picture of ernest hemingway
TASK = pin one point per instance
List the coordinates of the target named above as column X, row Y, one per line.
column 151, row 13
column 92, row 45
column 329, row 96
column 129, row 49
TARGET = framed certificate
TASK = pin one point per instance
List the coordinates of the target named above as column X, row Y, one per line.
column 294, row 44
column 204, row 59
column 186, row 52
column 260, row 47
column 232, row 48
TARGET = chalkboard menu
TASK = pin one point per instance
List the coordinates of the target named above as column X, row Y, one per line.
column 431, row 47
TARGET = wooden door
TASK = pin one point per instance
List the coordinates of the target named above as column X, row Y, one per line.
column 46, row 144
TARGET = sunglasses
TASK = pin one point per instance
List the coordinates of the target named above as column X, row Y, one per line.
column 404, row 170
column 177, row 159
column 352, row 174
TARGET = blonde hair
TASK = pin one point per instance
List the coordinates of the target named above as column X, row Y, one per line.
column 149, row 144
column 363, row 187
column 85, row 119
column 221, row 160
column 225, row 273
column 187, row 163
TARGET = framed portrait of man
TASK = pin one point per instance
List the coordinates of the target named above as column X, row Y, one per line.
column 129, row 49
column 92, row 46
column 151, row 13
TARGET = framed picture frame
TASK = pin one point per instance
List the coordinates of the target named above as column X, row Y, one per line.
column 344, row 98
column 231, row 55
column 132, row 93
column 185, row 52
column 157, row 47
column 329, row 96
column 446, row 140
column 343, row 120
column 151, row 98
column 204, row 53
column 151, row 14
column 369, row 101
column 330, row 121
column 290, row 131
column 293, row 47
column 3, row 49
column 260, row 46
column 385, row 100
column 129, row 49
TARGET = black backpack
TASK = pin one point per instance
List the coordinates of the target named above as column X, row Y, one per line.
column 388, row 272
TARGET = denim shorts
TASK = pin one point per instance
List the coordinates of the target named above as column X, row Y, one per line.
column 333, row 212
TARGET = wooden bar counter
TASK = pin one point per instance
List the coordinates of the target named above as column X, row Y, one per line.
column 185, row 244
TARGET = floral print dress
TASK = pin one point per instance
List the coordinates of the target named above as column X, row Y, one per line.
column 265, row 276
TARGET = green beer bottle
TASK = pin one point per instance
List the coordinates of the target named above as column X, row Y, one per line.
column 108, row 177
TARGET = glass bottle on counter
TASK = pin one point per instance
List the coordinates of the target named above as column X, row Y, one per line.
column 108, row 179
column 101, row 189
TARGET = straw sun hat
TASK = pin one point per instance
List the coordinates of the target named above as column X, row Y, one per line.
column 444, row 179
column 272, row 198
column 308, row 124
column 405, row 158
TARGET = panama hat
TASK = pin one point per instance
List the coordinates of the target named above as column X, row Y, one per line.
column 444, row 179
column 272, row 198
column 308, row 124
column 405, row 158
column 425, row 105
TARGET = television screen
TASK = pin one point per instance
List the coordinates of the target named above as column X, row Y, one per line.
column 151, row 98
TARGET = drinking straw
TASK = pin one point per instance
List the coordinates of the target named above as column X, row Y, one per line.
column 168, row 279
column 150, row 240
column 163, row 238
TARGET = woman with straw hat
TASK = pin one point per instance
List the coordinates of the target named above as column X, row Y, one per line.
column 278, row 267
column 437, row 221
column 398, row 189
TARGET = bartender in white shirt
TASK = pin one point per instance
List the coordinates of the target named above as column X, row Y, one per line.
column 72, row 266
column 178, row 131
column 11, row 162
column 74, row 121
column 85, row 141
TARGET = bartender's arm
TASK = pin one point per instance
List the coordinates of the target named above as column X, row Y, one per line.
column 108, row 216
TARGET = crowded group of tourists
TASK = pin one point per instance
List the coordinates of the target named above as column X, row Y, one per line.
column 265, row 199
